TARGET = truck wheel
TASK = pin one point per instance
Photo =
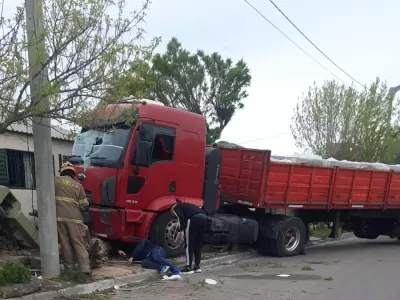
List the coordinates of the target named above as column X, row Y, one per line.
column 164, row 233
column 363, row 230
column 291, row 238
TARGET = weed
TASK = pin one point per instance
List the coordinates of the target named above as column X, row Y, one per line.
column 14, row 273
column 328, row 278
column 307, row 268
column 203, row 283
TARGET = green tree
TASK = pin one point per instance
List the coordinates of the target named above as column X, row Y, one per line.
column 88, row 44
column 202, row 83
column 338, row 121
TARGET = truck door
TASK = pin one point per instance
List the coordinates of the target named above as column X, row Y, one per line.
column 151, row 173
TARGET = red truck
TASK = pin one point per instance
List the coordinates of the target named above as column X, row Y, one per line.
column 140, row 167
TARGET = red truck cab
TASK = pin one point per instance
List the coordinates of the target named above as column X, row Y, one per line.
column 138, row 169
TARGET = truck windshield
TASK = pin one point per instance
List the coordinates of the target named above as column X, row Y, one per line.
column 101, row 144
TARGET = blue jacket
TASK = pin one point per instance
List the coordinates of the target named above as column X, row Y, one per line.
column 142, row 250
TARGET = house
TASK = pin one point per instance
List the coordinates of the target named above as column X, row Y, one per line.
column 17, row 166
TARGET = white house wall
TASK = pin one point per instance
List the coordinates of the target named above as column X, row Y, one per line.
column 19, row 141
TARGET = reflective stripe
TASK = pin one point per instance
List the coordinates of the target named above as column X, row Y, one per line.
column 66, row 199
column 76, row 221
column 83, row 202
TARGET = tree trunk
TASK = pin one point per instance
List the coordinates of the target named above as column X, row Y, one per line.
column 98, row 250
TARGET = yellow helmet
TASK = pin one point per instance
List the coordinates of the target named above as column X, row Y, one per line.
column 66, row 166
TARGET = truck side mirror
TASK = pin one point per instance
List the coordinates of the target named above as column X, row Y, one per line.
column 143, row 152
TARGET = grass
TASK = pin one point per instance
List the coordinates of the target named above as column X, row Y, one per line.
column 203, row 283
column 322, row 231
column 75, row 277
column 14, row 273
column 328, row 278
column 307, row 268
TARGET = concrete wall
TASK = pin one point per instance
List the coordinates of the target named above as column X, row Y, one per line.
column 22, row 142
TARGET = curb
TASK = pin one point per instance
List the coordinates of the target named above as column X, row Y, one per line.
column 107, row 284
column 345, row 237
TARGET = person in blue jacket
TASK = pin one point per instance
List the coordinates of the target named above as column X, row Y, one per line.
column 152, row 257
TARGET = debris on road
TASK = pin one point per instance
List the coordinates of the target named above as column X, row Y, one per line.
column 210, row 281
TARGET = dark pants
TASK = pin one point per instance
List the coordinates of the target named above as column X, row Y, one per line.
column 194, row 234
column 157, row 259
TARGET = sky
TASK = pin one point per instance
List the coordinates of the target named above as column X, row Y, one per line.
column 359, row 35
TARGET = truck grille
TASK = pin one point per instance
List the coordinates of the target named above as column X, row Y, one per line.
column 89, row 196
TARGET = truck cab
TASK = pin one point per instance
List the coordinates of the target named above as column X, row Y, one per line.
column 138, row 157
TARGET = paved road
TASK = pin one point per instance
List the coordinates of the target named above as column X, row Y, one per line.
column 351, row 269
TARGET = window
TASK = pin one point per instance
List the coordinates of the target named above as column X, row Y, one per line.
column 63, row 159
column 163, row 148
column 162, row 140
column 17, row 169
column 21, row 169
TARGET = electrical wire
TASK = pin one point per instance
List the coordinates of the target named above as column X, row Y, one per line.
column 315, row 46
column 264, row 138
column 292, row 41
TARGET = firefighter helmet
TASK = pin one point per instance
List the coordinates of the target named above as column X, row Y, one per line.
column 67, row 166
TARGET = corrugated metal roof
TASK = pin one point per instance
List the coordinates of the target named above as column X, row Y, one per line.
column 56, row 131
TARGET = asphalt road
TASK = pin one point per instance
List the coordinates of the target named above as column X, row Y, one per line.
column 348, row 270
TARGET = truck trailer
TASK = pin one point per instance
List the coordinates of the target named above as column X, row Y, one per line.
column 138, row 157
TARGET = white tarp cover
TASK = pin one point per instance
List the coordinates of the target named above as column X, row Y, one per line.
column 317, row 160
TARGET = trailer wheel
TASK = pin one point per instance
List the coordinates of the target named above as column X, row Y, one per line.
column 164, row 233
column 291, row 238
column 364, row 229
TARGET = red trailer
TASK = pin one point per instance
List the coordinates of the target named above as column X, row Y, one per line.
column 249, row 177
column 365, row 200
column 142, row 157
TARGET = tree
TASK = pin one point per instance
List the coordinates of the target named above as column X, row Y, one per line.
column 341, row 122
column 202, row 83
column 86, row 50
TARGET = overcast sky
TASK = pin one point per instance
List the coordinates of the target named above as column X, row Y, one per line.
column 361, row 36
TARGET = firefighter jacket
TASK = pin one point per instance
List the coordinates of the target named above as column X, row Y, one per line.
column 70, row 200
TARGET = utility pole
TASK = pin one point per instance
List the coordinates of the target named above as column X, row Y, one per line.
column 49, row 253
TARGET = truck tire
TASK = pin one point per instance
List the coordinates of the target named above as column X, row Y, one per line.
column 291, row 238
column 161, row 234
column 364, row 229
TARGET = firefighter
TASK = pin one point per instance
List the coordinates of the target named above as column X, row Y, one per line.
column 70, row 203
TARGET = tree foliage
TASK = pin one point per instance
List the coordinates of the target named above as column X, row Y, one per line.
column 202, row 83
column 338, row 121
column 87, row 45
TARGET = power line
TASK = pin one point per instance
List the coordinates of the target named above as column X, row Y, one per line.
column 265, row 138
column 293, row 42
column 315, row 46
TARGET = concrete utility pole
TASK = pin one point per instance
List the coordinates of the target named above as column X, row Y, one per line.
column 49, row 253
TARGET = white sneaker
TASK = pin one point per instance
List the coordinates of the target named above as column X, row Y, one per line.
column 197, row 269
column 172, row 277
